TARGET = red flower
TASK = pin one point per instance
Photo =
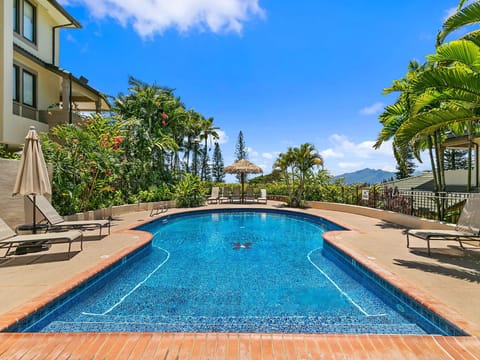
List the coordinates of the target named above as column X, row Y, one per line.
column 118, row 140
column 165, row 116
column 164, row 123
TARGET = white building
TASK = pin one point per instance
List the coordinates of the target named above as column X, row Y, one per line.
column 34, row 89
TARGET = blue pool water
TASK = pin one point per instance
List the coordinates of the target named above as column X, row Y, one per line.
column 242, row 271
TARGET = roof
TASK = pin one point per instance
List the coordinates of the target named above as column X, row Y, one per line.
column 64, row 13
column 81, row 91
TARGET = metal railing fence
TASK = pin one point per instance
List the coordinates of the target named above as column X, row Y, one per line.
column 443, row 206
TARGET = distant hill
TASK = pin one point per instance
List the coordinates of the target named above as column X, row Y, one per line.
column 368, row 176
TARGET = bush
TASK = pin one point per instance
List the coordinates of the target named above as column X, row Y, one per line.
column 189, row 192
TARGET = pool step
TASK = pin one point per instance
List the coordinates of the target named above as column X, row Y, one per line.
column 287, row 324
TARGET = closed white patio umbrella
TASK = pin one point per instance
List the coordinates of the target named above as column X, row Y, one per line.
column 32, row 175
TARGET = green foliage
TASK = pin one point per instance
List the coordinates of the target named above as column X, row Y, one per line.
column 88, row 160
column 240, row 148
column 296, row 167
column 240, row 152
column 189, row 192
column 218, row 172
column 5, row 154
column 153, row 193
column 406, row 166
column 455, row 159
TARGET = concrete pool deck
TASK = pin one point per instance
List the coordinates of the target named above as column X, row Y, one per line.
column 447, row 282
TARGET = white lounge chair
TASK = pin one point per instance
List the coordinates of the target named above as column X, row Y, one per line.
column 250, row 196
column 263, row 196
column 467, row 228
column 214, row 196
column 236, row 194
column 225, row 196
column 10, row 241
column 57, row 222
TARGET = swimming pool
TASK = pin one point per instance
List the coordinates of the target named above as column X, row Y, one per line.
column 235, row 271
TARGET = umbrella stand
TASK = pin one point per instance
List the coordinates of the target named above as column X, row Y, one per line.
column 34, row 225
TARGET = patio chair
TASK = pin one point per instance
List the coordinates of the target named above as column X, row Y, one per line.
column 11, row 241
column 225, row 196
column 57, row 222
column 467, row 228
column 236, row 196
column 250, row 196
column 214, row 196
column 263, row 196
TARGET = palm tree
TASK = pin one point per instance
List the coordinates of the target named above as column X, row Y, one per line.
column 402, row 111
column 295, row 165
column 306, row 158
column 451, row 94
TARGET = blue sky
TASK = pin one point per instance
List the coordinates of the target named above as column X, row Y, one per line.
column 283, row 72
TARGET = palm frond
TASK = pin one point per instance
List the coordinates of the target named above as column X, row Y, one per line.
column 461, row 51
column 468, row 15
column 427, row 123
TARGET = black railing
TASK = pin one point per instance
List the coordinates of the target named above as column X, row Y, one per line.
column 443, row 206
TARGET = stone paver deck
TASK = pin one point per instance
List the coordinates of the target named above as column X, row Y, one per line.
column 447, row 282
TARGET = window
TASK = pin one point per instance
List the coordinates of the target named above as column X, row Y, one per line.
column 25, row 19
column 28, row 21
column 16, row 76
column 24, row 86
column 28, row 88
column 15, row 16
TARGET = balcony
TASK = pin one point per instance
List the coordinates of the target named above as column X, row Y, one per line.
column 55, row 117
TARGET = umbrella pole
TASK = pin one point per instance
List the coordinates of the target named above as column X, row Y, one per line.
column 243, row 187
column 34, row 229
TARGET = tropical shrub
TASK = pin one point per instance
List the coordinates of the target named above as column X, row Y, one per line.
column 189, row 192
column 87, row 159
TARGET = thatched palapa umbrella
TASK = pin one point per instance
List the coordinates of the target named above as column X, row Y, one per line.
column 243, row 167
column 32, row 175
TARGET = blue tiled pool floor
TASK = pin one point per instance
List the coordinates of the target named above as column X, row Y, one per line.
column 222, row 273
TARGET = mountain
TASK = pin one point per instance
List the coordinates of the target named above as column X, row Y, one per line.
column 368, row 176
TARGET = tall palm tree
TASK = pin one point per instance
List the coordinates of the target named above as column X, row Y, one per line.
column 208, row 132
column 402, row 111
column 451, row 94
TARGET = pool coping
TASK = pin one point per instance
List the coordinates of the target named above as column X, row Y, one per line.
column 333, row 237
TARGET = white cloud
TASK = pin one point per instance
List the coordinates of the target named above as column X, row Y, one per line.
column 373, row 109
column 222, row 137
column 344, row 155
column 268, row 156
column 153, row 17
column 251, row 153
column 331, row 153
